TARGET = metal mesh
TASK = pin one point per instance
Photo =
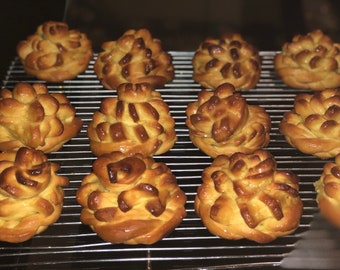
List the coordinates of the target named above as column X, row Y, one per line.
column 69, row 244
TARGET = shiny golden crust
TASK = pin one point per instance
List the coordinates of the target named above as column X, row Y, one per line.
column 131, row 199
column 136, row 57
column 328, row 191
column 221, row 122
column 229, row 59
column 30, row 116
column 309, row 62
column 55, row 53
column 245, row 196
column 136, row 121
column 31, row 194
column 313, row 125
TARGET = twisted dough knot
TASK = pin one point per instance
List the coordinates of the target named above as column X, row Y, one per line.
column 136, row 121
column 30, row 116
column 229, row 59
column 313, row 125
column 245, row 196
column 328, row 191
column 309, row 62
column 31, row 194
column 131, row 199
column 221, row 122
column 54, row 53
column 136, row 57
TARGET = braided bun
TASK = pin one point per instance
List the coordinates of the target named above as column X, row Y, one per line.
column 136, row 57
column 55, row 53
column 31, row 117
column 313, row 125
column 328, row 191
column 136, row 121
column 31, row 194
column 221, row 122
column 131, row 199
column 229, row 59
column 245, row 196
column 309, row 62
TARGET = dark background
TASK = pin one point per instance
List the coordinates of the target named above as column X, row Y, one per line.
column 180, row 24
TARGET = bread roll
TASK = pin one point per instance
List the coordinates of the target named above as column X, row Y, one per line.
column 229, row 59
column 313, row 125
column 32, row 117
column 245, row 196
column 136, row 121
column 31, row 194
column 131, row 199
column 328, row 191
column 309, row 61
column 55, row 53
column 136, row 57
column 221, row 122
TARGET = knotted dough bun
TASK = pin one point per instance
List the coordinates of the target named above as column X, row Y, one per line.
column 136, row 57
column 32, row 117
column 136, row 121
column 221, row 122
column 55, row 53
column 309, row 61
column 328, row 191
column 31, row 194
column 313, row 125
column 131, row 199
column 245, row 196
column 229, row 59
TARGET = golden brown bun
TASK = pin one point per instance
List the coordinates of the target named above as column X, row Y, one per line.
column 313, row 125
column 54, row 53
column 221, row 122
column 328, row 191
column 136, row 121
column 229, row 59
column 136, row 57
column 30, row 116
column 245, row 196
column 31, row 194
column 131, row 199
column 309, row 62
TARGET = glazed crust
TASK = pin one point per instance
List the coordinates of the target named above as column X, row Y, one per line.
column 229, row 59
column 31, row 194
column 31, row 117
column 245, row 196
column 55, row 53
column 136, row 121
column 313, row 125
column 328, row 191
column 131, row 199
column 309, row 61
column 221, row 122
column 136, row 57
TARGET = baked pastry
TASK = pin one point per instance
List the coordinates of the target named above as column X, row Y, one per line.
column 309, row 61
column 136, row 121
column 136, row 57
column 55, row 53
column 328, row 191
column 31, row 194
column 313, row 125
column 32, row 117
column 229, row 59
column 245, row 196
column 131, row 199
column 221, row 122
